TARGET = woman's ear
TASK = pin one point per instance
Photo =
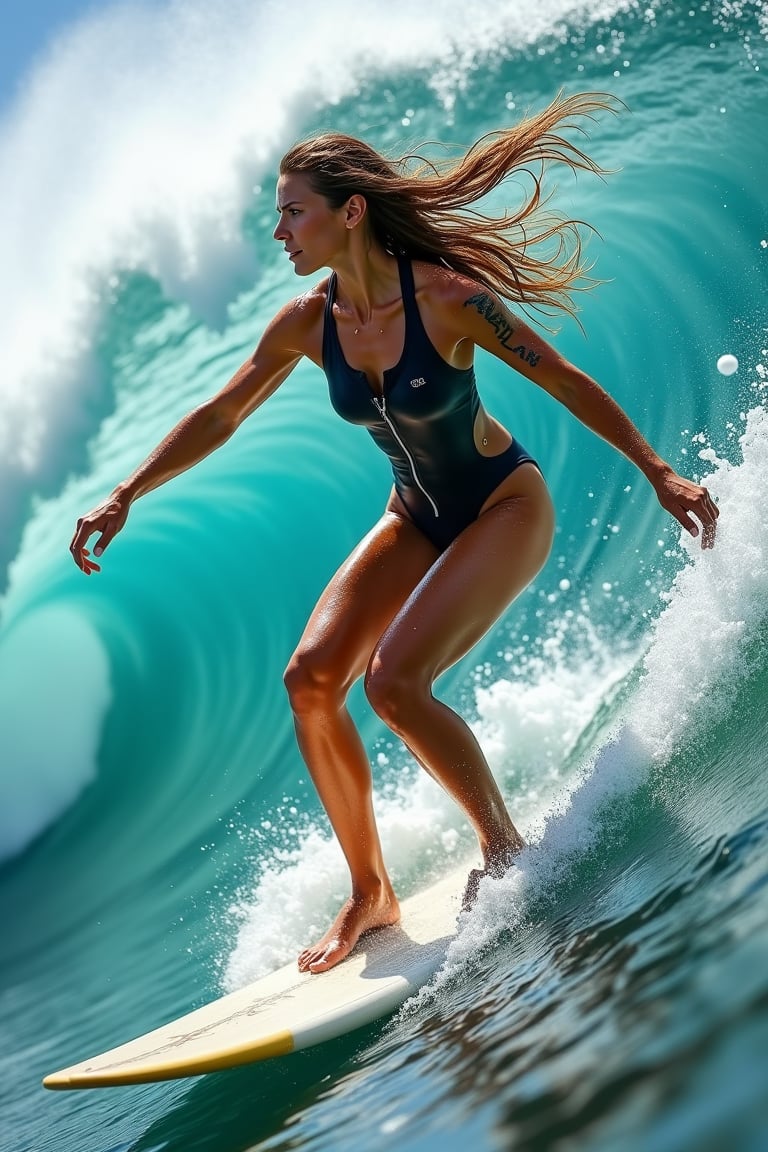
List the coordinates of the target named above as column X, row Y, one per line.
column 356, row 209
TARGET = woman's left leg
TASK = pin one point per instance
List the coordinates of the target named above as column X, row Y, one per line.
column 458, row 600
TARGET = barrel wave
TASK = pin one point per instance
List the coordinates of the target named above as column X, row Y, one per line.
column 160, row 841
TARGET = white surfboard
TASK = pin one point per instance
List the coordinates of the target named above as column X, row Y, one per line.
column 288, row 1010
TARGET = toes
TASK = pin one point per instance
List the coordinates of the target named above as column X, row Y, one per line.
column 307, row 957
column 332, row 955
column 320, row 957
column 311, row 957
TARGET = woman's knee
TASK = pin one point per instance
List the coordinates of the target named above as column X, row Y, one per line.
column 394, row 692
column 314, row 682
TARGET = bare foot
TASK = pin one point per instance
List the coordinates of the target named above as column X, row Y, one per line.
column 362, row 913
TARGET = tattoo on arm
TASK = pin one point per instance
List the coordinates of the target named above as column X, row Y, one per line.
column 488, row 308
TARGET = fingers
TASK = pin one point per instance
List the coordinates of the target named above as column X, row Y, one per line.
column 692, row 505
column 107, row 536
column 77, row 547
column 89, row 566
column 81, row 555
column 107, row 519
column 711, row 506
column 706, row 512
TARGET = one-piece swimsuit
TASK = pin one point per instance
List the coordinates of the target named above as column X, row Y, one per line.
column 424, row 420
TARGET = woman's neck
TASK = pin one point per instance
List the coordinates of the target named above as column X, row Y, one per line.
column 366, row 280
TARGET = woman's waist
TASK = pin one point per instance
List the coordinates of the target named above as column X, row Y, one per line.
column 447, row 471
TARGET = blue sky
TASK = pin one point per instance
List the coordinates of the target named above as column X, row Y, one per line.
column 28, row 28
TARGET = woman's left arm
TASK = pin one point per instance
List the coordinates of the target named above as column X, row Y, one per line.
column 487, row 321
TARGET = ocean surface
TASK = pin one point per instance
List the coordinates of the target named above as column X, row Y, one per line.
column 159, row 840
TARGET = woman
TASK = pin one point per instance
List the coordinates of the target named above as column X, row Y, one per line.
column 417, row 280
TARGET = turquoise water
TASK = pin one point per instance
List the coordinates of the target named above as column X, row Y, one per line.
column 160, row 842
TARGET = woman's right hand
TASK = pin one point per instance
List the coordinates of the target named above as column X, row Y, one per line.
column 108, row 518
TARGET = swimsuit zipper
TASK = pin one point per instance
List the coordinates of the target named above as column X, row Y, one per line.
column 381, row 408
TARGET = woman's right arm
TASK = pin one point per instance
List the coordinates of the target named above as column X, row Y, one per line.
column 199, row 432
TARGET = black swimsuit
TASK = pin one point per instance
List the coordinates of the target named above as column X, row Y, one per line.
column 424, row 421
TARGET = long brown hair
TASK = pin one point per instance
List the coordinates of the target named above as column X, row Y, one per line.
column 424, row 208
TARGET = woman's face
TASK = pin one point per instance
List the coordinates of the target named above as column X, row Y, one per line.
column 311, row 232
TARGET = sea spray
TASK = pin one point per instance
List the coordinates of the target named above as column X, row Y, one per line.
column 530, row 725
column 100, row 174
column 690, row 675
column 299, row 889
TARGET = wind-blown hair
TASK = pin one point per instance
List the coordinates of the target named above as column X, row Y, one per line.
column 423, row 208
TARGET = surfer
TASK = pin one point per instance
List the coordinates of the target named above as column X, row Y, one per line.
column 418, row 279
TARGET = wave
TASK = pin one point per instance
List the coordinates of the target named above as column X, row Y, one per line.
column 531, row 729
column 54, row 693
column 137, row 144
column 132, row 157
column 581, row 721
column 105, row 189
column 700, row 656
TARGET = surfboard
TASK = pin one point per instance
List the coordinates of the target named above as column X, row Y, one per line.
column 289, row 1010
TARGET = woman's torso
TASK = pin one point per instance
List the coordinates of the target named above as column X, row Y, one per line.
column 423, row 411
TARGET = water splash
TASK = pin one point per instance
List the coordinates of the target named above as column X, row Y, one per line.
column 299, row 889
column 690, row 675
column 138, row 142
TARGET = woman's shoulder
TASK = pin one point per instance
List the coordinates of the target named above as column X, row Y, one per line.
column 307, row 307
column 299, row 320
column 442, row 288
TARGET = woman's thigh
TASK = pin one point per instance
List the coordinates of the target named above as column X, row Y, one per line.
column 362, row 598
column 470, row 585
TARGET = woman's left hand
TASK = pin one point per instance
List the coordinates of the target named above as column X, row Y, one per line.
column 681, row 497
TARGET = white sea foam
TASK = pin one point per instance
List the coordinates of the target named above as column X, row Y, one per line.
column 135, row 144
column 531, row 723
column 693, row 665
column 54, row 692
column 529, row 726
column 691, row 672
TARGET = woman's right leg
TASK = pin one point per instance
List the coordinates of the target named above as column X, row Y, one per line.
column 354, row 611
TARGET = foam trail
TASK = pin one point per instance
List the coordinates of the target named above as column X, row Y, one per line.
column 54, row 693
column 299, row 890
column 690, row 673
column 719, row 598
column 531, row 725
